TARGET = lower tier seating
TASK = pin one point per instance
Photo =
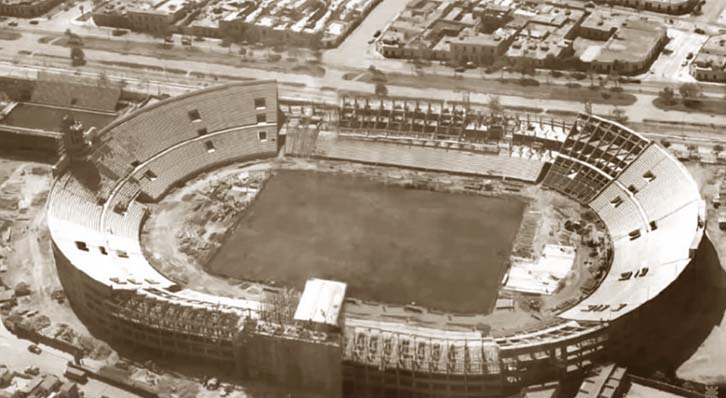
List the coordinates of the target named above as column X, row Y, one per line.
column 430, row 158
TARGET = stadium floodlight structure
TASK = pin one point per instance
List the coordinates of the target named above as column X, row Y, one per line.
column 113, row 288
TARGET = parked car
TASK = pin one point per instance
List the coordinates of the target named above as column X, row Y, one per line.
column 378, row 33
column 700, row 31
column 34, row 349
column 32, row 371
column 34, row 22
column 689, row 56
column 13, row 23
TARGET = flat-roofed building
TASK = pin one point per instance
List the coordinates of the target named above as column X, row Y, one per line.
column 663, row 6
column 157, row 17
column 630, row 50
column 26, row 8
column 480, row 48
column 710, row 62
column 599, row 25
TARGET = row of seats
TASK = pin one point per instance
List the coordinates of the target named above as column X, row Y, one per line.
column 654, row 214
column 128, row 224
column 618, row 210
column 166, row 123
column 80, row 95
column 70, row 203
column 114, row 158
column 430, row 158
column 635, row 201
column 173, row 165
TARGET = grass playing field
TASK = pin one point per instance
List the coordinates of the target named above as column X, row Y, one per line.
column 390, row 244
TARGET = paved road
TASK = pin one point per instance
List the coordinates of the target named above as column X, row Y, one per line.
column 334, row 78
column 355, row 51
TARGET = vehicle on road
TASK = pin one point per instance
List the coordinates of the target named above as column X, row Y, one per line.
column 34, row 349
column 378, row 33
column 75, row 374
column 13, row 23
column 689, row 56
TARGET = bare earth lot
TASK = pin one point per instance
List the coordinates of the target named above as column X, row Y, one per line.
column 388, row 243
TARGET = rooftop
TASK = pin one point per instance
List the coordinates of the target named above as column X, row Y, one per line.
column 321, row 302
column 635, row 39
column 713, row 53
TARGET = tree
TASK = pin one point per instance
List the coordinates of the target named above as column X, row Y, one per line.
column 718, row 148
column 690, row 92
column 77, row 56
column 614, row 76
column 665, row 143
column 619, row 114
column 667, row 95
column 381, row 89
column 495, row 105
column 591, row 75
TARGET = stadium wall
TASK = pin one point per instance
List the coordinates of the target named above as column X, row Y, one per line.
column 444, row 364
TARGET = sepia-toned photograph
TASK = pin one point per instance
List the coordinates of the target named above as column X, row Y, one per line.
column 363, row 198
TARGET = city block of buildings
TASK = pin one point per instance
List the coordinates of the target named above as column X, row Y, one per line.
column 542, row 35
column 310, row 23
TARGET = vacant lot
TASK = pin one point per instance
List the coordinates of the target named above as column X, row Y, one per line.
column 388, row 243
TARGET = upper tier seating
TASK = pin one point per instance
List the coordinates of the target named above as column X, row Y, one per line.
column 671, row 188
column 113, row 159
column 655, row 195
column 619, row 211
column 166, row 123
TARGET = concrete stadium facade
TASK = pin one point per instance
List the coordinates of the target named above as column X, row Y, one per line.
column 113, row 288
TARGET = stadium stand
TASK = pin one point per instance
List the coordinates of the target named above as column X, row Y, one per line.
column 430, row 158
column 115, row 289
column 113, row 159
column 165, row 169
column 595, row 152
column 653, row 239
column 161, row 125
column 619, row 211
column 74, row 92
